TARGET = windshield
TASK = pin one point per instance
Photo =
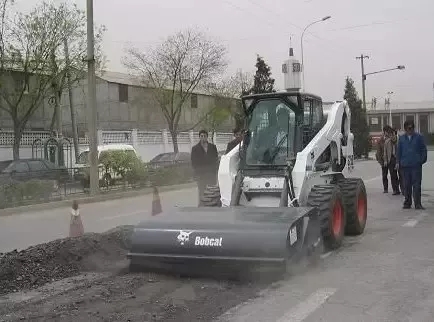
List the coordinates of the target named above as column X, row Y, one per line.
column 272, row 132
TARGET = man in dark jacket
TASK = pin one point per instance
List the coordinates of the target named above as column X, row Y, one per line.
column 381, row 158
column 204, row 160
column 238, row 134
column 411, row 155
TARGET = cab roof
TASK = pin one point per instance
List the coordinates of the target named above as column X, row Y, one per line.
column 280, row 93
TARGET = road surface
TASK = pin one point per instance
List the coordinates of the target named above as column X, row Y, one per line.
column 27, row 229
column 384, row 275
column 387, row 274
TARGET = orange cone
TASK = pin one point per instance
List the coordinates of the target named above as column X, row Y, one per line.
column 156, row 203
column 76, row 225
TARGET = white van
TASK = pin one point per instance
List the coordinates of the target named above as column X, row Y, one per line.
column 82, row 162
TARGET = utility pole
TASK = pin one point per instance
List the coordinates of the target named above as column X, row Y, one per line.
column 56, row 90
column 91, row 102
column 71, row 100
column 362, row 57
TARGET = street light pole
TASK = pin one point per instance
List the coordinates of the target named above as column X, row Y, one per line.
column 91, row 102
column 390, row 109
column 362, row 57
column 301, row 45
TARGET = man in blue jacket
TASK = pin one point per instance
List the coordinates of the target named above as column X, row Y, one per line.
column 411, row 155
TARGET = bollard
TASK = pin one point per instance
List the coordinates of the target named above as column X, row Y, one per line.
column 76, row 225
column 156, row 203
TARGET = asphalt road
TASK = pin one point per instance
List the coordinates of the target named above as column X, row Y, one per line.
column 23, row 230
column 384, row 275
column 387, row 274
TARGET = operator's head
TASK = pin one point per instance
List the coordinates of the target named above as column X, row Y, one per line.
column 409, row 127
column 282, row 118
column 238, row 134
column 203, row 136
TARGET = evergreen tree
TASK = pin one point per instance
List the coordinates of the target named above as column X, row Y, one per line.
column 359, row 124
column 263, row 83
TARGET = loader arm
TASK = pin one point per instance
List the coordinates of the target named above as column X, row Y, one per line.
column 334, row 142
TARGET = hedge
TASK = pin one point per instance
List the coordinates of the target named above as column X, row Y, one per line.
column 16, row 193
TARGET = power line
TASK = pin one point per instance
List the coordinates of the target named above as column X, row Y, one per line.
column 324, row 41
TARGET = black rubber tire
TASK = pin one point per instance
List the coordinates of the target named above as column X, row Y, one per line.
column 211, row 197
column 354, row 194
column 325, row 197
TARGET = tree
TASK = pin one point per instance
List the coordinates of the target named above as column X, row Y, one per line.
column 185, row 61
column 32, row 70
column 263, row 82
column 68, row 64
column 359, row 124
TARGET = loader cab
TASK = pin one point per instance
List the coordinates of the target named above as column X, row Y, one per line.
column 279, row 125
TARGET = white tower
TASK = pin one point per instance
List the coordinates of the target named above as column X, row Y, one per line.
column 291, row 69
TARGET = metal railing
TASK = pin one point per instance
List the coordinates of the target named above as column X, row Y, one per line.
column 27, row 188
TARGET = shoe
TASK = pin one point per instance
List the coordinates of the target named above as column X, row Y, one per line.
column 385, row 191
column 419, row 207
column 406, row 207
column 396, row 193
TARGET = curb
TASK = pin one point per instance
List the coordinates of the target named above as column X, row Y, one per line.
column 86, row 200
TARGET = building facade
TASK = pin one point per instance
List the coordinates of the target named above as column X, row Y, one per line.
column 122, row 104
column 422, row 113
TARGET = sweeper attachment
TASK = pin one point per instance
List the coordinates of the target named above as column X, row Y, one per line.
column 282, row 193
column 225, row 241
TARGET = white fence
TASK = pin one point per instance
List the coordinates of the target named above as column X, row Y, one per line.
column 147, row 143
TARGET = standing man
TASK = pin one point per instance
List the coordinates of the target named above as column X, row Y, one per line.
column 380, row 158
column 204, row 160
column 238, row 138
column 412, row 154
column 389, row 157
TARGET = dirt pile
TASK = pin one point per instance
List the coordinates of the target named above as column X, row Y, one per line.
column 44, row 263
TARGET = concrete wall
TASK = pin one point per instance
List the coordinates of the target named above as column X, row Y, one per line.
column 147, row 143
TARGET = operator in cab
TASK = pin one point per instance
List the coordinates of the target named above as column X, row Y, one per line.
column 274, row 138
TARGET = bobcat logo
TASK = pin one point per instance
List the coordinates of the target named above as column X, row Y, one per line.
column 184, row 236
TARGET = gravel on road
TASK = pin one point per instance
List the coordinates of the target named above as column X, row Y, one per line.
column 62, row 258
column 119, row 296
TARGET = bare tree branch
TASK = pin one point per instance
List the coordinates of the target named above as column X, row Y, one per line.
column 175, row 69
column 33, row 67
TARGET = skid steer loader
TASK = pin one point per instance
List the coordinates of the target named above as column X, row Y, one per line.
column 284, row 193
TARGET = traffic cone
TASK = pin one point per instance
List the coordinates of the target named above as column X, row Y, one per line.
column 156, row 203
column 76, row 225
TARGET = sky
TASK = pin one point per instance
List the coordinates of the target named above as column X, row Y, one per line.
column 390, row 32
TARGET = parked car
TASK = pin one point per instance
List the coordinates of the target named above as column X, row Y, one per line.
column 29, row 169
column 82, row 164
column 169, row 159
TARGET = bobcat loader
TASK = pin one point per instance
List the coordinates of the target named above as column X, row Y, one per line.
column 284, row 193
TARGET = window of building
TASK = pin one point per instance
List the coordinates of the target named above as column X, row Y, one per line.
column 375, row 124
column 193, row 99
column 123, row 93
column 386, row 120
column 409, row 117
column 396, row 122
column 423, row 124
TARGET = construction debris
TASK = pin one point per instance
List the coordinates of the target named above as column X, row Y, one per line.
column 62, row 258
